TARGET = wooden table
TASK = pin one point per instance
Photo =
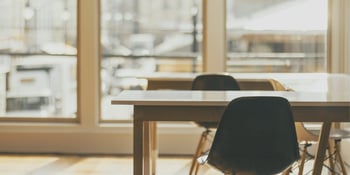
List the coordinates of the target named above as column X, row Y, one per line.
column 247, row 81
column 331, row 104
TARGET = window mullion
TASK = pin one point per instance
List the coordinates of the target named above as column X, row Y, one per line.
column 214, row 35
column 338, row 33
column 88, row 62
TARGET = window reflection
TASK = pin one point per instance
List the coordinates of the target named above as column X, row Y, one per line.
column 140, row 37
column 276, row 35
column 38, row 58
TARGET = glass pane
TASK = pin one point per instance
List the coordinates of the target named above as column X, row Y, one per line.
column 141, row 37
column 38, row 58
column 276, row 35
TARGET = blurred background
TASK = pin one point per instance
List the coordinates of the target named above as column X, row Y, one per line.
column 38, row 47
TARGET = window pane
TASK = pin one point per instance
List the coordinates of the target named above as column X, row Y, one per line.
column 38, row 58
column 140, row 37
column 276, row 35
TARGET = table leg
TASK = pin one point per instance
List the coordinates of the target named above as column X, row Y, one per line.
column 138, row 148
column 147, row 147
column 322, row 146
column 154, row 147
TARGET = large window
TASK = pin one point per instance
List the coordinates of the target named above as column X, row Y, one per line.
column 38, row 58
column 262, row 36
column 39, row 66
column 276, row 35
column 142, row 37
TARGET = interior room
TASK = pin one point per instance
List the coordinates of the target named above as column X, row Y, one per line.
column 65, row 64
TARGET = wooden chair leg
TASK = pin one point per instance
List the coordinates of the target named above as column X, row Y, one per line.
column 287, row 171
column 339, row 157
column 200, row 151
column 194, row 164
column 196, row 169
column 331, row 162
column 302, row 160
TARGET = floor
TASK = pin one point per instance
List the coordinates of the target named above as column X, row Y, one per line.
column 13, row 164
column 54, row 164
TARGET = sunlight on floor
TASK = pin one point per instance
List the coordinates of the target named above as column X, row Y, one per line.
column 52, row 164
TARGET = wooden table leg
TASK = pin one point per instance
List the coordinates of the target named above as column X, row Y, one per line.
column 147, row 147
column 322, row 146
column 154, row 146
column 138, row 148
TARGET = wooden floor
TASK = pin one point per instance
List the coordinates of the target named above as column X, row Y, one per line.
column 54, row 164
column 13, row 164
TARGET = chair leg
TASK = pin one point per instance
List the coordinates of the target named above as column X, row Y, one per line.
column 194, row 165
column 330, row 150
column 201, row 150
column 334, row 157
column 302, row 159
column 196, row 169
column 287, row 171
column 339, row 157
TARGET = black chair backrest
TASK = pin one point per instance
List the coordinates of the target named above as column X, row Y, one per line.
column 215, row 82
column 255, row 134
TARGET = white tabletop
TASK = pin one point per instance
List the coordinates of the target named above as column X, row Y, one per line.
column 219, row 98
column 320, row 89
column 316, row 88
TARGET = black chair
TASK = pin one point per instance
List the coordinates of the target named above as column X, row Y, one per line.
column 256, row 135
column 209, row 82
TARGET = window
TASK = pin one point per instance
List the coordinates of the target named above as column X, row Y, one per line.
column 141, row 37
column 276, row 35
column 89, row 131
column 38, row 59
